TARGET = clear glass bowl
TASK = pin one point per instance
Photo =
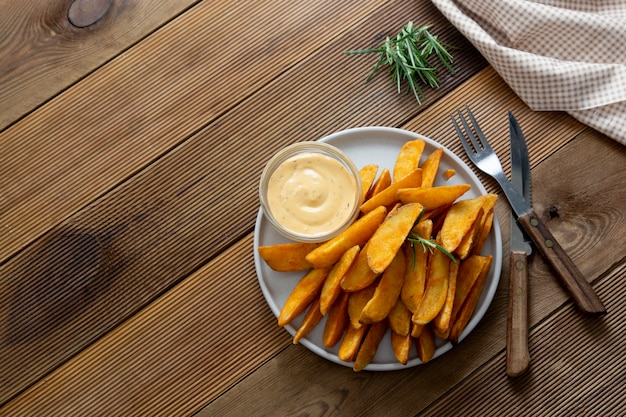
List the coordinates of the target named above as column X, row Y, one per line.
column 319, row 148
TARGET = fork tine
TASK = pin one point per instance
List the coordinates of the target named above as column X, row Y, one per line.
column 469, row 132
column 481, row 136
column 468, row 149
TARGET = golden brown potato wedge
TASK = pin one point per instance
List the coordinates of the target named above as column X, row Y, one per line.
column 408, row 158
column 483, row 233
column 469, row 305
column 287, row 257
column 469, row 271
column 383, row 181
column 449, row 173
column 433, row 197
column 303, row 294
column 351, row 342
column 416, row 330
column 357, row 301
column 367, row 174
column 401, row 345
column 368, row 348
column 336, row 321
column 416, row 267
column 458, row 222
column 389, row 196
column 359, row 275
column 467, row 243
column 426, row 345
column 389, row 237
column 387, row 291
column 430, row 168
column 441, row 323
column 436, row 288
column 310, row 320
column 358, row 233
column 332, row 286
column 400, row 319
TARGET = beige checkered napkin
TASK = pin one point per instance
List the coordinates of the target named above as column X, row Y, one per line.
column 555, row 54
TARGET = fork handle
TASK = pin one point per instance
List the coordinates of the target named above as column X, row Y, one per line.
column 517, row 356
column 583, row 293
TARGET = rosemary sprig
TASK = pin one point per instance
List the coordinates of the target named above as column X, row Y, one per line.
column 428, row 245
column 407, row 55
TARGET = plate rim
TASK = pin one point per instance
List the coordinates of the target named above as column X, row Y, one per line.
column 495, row 272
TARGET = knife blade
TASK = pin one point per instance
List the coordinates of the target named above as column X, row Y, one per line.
column 517, row 355
column 581, row 291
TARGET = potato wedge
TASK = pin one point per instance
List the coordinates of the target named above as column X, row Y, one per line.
column 400, row 319
column 469, row 305
column 387, row 291
column 389, row 195
column 367, row 174
column 383, row 181
column 408, row 158
column 332, row 286
column 416, row 330
column 287, row 257
column 310, row 320
column 449, row 173
column 336, row 321
column 401, row 345
column 357, row 301
column 351, row 342
column 467, row 243
column 358, row 233
column 430, row 168
column 368, row 348
column 359, row 275
column 436, row 288
column 483, row 233
column 469, row 272
column 416, row 266
column 433, row 197
column 303, row 294
column 441, row 323
column 389, row 237
column 426, row 345
column 458, row 222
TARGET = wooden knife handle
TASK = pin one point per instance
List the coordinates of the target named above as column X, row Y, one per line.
column 517, row 356
column 582, row 292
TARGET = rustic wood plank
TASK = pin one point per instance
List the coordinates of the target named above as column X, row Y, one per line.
column 148, row 100
column 169, row 219
column 43, row 53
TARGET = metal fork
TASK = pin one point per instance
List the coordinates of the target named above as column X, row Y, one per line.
column 483, row 156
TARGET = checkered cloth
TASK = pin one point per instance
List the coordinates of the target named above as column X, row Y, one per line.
column 567, row 55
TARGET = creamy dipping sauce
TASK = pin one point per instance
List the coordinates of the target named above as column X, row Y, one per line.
column 311, row 194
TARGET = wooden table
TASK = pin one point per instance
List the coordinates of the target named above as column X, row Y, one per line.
column 132, row 138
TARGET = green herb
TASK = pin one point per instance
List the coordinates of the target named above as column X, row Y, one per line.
column 428, row 245
column 407, row 55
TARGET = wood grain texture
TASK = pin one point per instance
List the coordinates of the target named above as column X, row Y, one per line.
column 49, row 54
column 149, row 100
column 152, row 248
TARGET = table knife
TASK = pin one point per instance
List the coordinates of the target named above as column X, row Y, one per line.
column 517, row 355
column 574, row 281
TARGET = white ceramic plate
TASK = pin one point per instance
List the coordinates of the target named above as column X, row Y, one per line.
column 376, row 145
